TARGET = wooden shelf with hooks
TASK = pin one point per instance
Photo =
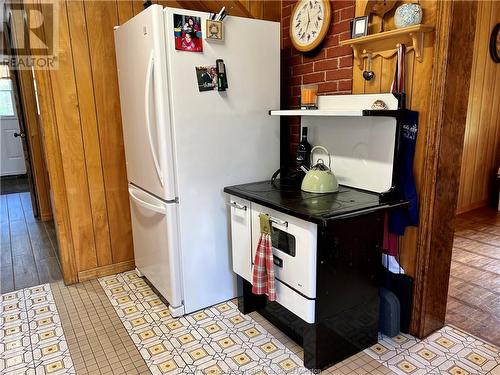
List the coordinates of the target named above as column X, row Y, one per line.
column 385, row 43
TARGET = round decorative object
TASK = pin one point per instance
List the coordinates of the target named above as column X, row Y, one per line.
column 309, row 23
column 379, row 104
column 495, row 43
column 408, row 14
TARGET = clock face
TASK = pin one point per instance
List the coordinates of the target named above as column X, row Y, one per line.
column 309, row 23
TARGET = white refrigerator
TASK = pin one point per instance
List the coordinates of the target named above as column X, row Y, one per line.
column 182, row 146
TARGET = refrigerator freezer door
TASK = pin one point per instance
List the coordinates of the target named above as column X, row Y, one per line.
column 141, row 62
column 154, row 226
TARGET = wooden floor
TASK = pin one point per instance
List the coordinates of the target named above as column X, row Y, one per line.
column 474, row 293
column 28, row 247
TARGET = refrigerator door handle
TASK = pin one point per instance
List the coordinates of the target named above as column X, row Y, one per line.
column 159, row 209
column 147, row 98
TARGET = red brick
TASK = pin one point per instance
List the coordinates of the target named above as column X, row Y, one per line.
column 342, row 26
column 327, row 87
column 338, row 51
column 331, row 41
column 303, row 69
column 291, row 81
column 345, row 85
column 286, row 43
column 294, row 102
column 296, row 91
column 345, row 62
column 318, row 56
column 294, row 52
column 345, row 35
column 286, row 12
column 347, row 13
column 336, row 17
column 285, row 31
column 343, row 4
column 326, row 65
column 285, row 52
column 292, row 60
column 313, row 77
column 333, row 75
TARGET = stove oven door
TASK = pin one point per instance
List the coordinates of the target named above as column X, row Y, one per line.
column 294, row 249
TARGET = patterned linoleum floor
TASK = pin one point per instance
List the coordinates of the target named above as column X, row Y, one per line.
column 31, row 336
column 102, row 340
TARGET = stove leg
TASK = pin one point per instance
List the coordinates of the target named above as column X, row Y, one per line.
column 250, row 302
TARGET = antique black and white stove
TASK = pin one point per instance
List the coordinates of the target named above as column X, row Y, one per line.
column 326, row 247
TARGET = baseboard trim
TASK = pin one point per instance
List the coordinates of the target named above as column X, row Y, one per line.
column 472, row 207
column 109, row 269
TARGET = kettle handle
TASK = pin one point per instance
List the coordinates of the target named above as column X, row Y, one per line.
column 325, row 150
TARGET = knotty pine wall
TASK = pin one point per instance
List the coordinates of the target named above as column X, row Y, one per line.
column 481, row 156
column 82, row 122
column 418, row 87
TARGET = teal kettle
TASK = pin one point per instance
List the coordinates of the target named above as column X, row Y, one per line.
column 320, row 178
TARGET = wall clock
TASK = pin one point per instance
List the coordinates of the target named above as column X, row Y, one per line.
column 309, row 23
column 495, row 43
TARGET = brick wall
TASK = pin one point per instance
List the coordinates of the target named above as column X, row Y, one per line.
column 330, row 65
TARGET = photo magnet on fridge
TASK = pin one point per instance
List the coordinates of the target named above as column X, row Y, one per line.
column 207, row 77
column 187, row 33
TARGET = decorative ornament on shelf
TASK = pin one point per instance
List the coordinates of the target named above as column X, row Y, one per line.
column 408, row 14
column 309, row 23
column 379, row 104
column 379, row 8
column 368, row 74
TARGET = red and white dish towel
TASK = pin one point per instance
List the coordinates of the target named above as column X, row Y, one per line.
column 263, row 267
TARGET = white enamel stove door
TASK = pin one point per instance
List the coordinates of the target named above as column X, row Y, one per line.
column 296, row 277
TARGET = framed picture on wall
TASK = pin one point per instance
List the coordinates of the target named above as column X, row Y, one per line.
column 359, row 27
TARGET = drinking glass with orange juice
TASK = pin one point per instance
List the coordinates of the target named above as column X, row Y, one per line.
column 309, row 96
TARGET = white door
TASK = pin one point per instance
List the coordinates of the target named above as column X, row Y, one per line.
column 141, row 63
column 12, row 155
column 154, row 228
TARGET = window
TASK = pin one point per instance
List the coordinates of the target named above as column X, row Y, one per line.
column 6, row 94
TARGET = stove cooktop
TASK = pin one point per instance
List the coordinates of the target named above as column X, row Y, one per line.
column 313, row 207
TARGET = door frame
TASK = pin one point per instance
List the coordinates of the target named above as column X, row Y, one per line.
column 452, row 64
column 39, row 175
column 7, row 36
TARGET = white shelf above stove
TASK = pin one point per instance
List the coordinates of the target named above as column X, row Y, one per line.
column 317, row 112
column 341, row 106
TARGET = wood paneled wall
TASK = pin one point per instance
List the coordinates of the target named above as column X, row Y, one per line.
column 418, row 85
column 481, row 157
column 83, row 132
